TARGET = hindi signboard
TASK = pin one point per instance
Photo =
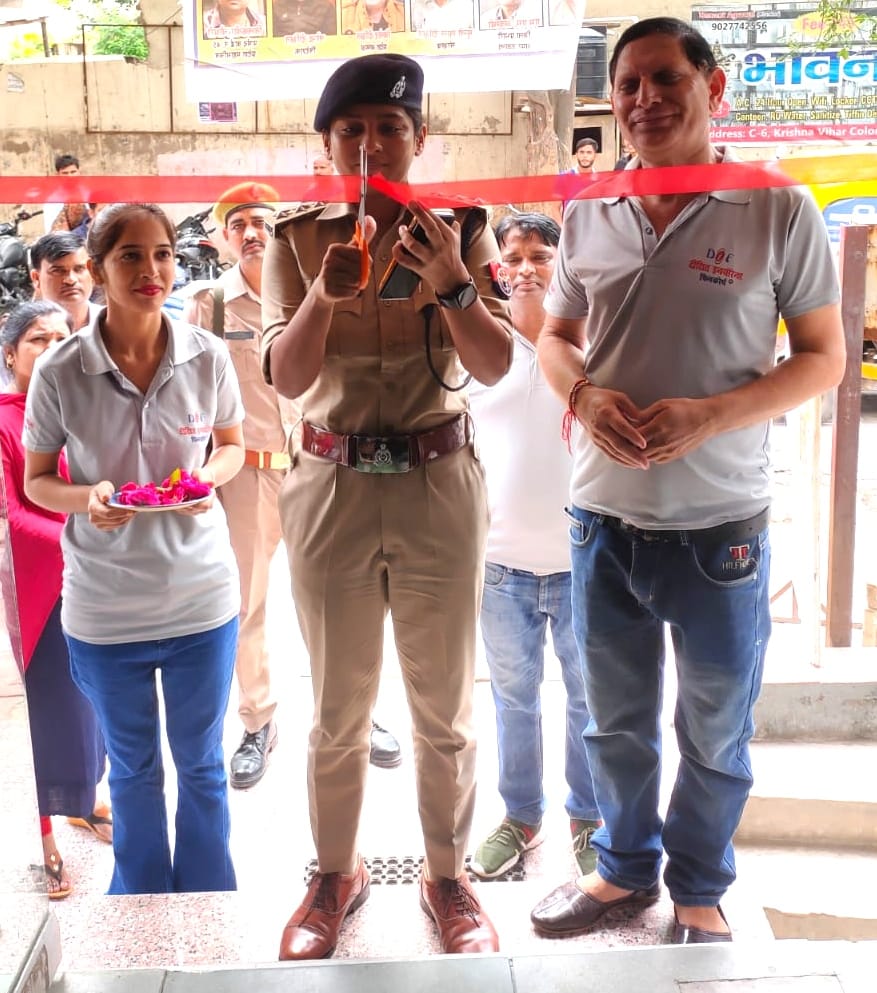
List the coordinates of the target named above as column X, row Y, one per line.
column 284, row 49
column 783, row 86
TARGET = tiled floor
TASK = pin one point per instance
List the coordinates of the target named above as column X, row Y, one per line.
column 271, row 846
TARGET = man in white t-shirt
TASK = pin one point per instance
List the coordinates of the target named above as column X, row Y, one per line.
column 527, row 585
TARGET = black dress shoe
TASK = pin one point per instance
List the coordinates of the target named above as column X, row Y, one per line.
column 385, row 752
column 686, row 934
column 250, row 761
column 568, row 911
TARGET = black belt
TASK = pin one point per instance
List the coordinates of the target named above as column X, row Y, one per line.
column 731, row 532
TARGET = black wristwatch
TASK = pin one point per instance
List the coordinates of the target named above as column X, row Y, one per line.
column 460, row 298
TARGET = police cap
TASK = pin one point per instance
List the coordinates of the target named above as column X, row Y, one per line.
column 244, row 195
column 386, row 78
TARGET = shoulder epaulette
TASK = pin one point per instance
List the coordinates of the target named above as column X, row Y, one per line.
column 284, row 217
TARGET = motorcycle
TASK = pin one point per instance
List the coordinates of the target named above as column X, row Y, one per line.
column 196, row 255
column 197, row 261
column 15, row 284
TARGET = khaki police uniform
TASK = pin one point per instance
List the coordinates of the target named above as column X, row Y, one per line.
column 361, row 543
column 250, row 499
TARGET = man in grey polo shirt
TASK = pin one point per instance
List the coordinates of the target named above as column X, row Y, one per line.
column 669, row 497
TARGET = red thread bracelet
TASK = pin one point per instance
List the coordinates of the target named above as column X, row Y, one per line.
column 569, row 415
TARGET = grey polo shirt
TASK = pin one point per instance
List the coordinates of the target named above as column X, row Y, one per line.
column 162, row 575
column 691, row 314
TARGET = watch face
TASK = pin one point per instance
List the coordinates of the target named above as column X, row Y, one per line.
column 466, row 296
column 460, row 298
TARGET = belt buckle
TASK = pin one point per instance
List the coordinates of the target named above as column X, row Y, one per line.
column 630, row 528
column 382, row 455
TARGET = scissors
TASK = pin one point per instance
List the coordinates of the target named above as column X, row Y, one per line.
column 359, row 233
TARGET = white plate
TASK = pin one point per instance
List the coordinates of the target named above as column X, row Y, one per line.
column 147, row 508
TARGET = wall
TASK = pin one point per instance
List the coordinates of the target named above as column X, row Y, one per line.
column 132, row 119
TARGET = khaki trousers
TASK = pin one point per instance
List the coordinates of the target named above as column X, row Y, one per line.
column 359, row 545
column 250, row 502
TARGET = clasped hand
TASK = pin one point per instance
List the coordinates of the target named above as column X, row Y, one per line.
column 662, row 432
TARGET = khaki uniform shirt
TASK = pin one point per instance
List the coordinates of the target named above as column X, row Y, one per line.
column 375, row 378
column 269, row 417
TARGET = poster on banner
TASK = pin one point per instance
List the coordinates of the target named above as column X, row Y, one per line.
column 286, row 49
column 782, row 85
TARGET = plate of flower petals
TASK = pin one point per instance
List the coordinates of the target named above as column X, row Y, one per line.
column 177, row 491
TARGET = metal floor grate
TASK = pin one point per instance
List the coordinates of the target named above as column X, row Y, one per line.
column 400, row 869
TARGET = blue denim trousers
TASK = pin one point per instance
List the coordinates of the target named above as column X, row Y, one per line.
column 516, row 610
column 120, row 682
column 714, row 597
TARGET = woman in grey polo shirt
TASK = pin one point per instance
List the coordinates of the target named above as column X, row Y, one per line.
column 133, row 397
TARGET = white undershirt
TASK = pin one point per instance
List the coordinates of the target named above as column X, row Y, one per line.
column 528, row 466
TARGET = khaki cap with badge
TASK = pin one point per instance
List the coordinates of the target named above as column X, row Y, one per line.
column 241, row 196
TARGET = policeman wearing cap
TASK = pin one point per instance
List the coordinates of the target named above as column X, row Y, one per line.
column 384, row 508
column 231, row 308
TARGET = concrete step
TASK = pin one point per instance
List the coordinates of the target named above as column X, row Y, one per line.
column 812, row 794
column 775, row 967
column 800, row 702
column 811, row 893
column 189, row 930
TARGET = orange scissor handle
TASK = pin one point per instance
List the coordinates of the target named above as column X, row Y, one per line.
column 365, row 262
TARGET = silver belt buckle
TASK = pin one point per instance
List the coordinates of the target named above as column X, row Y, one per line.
column 386, row 455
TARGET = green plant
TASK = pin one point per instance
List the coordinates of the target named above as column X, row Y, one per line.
column 27, row 46
column 840, row 26
column 122, row 39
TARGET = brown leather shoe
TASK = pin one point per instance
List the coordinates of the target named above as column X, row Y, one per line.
column 312, row 931
column 568, row 910
column 454, row 908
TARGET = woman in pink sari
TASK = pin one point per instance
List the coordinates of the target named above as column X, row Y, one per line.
column 69, row 752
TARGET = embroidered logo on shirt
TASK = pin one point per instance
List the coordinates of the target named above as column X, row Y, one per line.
column 716, row 266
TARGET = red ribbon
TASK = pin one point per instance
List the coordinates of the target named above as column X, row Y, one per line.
column 518, row 189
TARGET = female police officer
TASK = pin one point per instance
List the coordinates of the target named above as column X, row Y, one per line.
column 385, row 505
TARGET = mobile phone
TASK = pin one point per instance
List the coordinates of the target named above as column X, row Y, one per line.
column 399, row 282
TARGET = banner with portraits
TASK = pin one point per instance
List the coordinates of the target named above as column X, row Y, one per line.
column 239, row 50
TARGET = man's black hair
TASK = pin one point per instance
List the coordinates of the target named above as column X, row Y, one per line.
column 54, row 246
column 540, row 226
column 63, row 161
column 697, row 49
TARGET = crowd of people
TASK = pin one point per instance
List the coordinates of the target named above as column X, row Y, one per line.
column 542, row 435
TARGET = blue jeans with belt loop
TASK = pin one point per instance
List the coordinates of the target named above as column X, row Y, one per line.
column 714, row 596
column 516, row 610
column 120, row 682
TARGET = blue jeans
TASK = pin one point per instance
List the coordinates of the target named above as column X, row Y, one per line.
column 120, row 682
column 515, row 613
column 714, row 596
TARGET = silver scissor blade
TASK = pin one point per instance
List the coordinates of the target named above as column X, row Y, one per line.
column 363, row 184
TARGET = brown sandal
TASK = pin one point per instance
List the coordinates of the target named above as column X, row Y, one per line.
column 54, row 869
